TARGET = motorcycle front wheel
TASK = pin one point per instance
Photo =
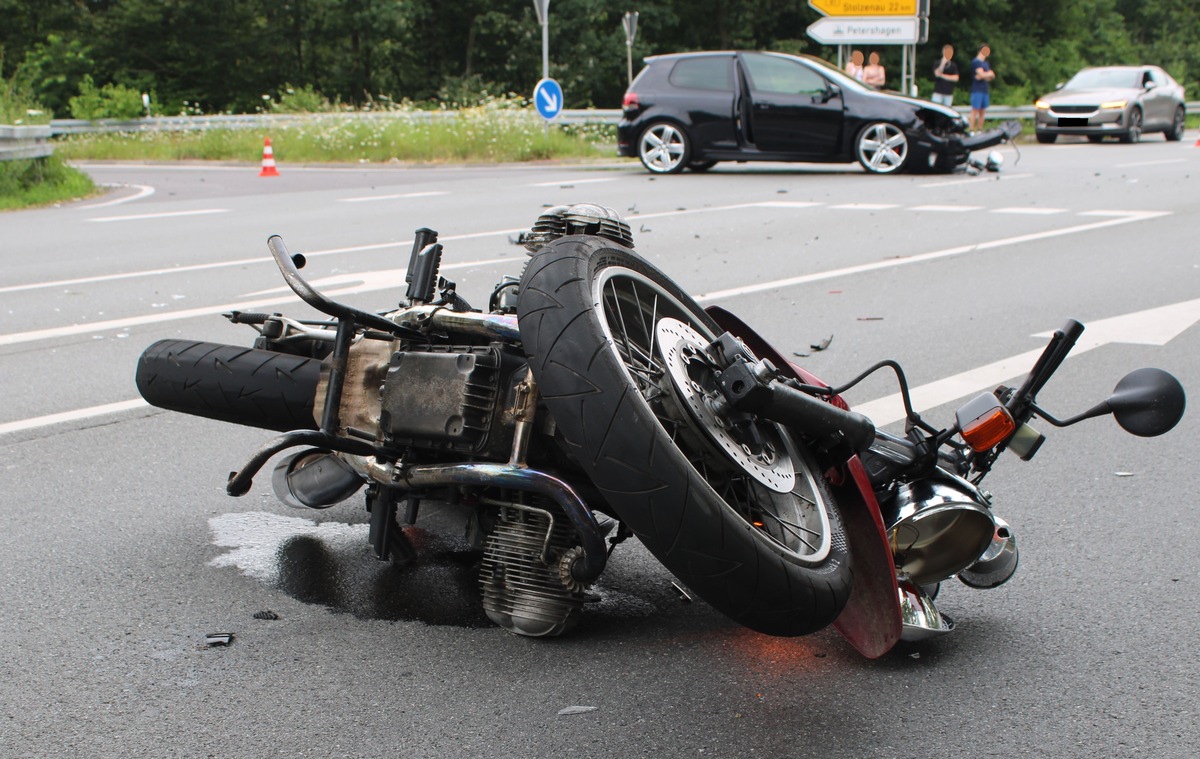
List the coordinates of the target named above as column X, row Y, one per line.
column 616, row 349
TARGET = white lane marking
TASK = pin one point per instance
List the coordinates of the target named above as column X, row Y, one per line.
column 895, row 262
column 977, row 180
column 563, row 182
column 1150, row 163
column 865, row 206
column 135, row 321
column 70, row 416
column 1029, row 210
column 945, row 209
column 1153, row 326
column 143, row 191
column 164, row 215
column 788, row 204
column 1113, row 212
column 368, row 198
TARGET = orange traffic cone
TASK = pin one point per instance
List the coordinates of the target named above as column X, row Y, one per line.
column 268, row 164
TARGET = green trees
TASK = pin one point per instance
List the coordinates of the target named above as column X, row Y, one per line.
column 222, row 55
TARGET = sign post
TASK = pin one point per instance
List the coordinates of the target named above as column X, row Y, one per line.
column 629, row 21
column 542, row 7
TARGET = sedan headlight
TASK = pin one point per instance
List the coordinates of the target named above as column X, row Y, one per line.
column 1041, row 105
column 1114, row 104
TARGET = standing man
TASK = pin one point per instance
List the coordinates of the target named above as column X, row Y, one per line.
column 981, row 87
column 945, row 76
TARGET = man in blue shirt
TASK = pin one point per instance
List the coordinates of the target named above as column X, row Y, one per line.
column 981, row 78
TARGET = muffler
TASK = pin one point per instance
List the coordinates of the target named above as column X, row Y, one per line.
column 314, row 479
column 997, row 563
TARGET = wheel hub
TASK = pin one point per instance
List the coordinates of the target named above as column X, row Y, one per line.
column 691, row 375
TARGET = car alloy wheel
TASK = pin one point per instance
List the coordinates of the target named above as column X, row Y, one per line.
column 664, row 148
column 1175, row 133
column 1134, row 132
column 882, row 148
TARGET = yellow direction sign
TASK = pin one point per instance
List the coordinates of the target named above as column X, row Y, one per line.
column 865, row 7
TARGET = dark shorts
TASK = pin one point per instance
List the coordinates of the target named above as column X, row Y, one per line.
column 980, row 100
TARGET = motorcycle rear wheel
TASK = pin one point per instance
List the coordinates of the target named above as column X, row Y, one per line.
column 230, row 383
column 769, row 553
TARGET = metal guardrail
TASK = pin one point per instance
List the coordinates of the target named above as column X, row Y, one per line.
column 268, row 120
column 17, row 142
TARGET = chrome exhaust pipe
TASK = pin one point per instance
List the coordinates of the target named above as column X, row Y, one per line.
column 314, row 479
column 997, row 563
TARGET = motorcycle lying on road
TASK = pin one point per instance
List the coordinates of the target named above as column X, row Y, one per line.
column 594, row 400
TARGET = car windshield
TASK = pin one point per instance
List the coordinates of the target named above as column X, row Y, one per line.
column 1090, row 79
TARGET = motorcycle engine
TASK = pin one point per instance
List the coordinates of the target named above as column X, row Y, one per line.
column 525, row 576
column 578, row 219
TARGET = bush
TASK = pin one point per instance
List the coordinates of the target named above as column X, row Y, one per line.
column 303, row 100
column 466, row 91
column 38, row 181
column 17, row 106
column 112, row 101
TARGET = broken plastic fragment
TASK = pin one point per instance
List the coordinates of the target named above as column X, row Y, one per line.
column 577, row 710
column 218, row 639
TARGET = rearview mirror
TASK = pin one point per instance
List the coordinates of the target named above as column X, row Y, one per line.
column 1147, row 402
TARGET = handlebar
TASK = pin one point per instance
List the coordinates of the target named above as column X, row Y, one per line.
column 289, row 267
column 1020, row 404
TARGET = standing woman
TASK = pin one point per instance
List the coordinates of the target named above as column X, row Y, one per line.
column 855, row 67
column 874, row 75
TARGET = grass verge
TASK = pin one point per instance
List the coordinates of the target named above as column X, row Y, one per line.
column 472, row 135
column 41, row 181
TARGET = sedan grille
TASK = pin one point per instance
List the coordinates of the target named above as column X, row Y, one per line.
column 1075, row 108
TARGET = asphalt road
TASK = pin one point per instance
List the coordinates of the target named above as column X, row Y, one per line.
column 121, row 551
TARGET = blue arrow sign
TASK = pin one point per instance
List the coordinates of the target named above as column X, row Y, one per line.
column 548, row 98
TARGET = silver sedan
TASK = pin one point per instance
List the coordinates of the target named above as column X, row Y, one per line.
column 1119, row 101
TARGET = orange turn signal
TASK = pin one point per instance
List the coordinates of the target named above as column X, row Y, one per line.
column 990, row 429
column 984, row 422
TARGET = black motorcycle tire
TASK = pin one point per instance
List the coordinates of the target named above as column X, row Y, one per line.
column 612, row 431
column 230, row 383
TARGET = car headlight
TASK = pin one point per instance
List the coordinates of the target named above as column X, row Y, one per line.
column 1114, row 104
column 1041, row 105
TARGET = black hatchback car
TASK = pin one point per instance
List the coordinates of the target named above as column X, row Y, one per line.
column 691, row 110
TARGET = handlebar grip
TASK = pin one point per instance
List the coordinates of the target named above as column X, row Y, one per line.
column 247, row 317
column 1052, row 357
